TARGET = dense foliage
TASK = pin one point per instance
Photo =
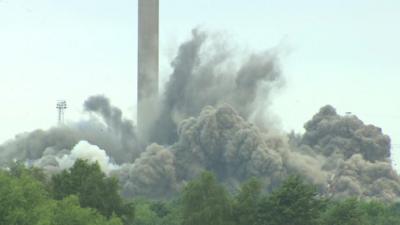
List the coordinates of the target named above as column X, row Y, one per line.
column 94, row 189
column 83, row 195
column 25, row 200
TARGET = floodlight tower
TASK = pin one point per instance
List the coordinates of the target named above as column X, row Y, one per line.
column 61, row 107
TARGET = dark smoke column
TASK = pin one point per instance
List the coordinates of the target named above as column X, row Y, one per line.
column 147, row 64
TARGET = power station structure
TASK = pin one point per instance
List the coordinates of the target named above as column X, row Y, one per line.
column 61, row 107
column 148, row 57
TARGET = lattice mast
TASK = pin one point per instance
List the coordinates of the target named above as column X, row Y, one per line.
column 61, row 107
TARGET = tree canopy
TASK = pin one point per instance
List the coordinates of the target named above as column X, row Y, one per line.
column 94, row 189
column 84, row 195
column 206, row 202
column 25, row 201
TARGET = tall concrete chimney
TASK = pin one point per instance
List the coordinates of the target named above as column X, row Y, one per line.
column 147, row 64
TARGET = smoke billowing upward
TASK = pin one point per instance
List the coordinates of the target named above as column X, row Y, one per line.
column 125, row 141
column 111, row 132
column 152, row 174
column 330, row 134
column 214, row 116
column 203, row 74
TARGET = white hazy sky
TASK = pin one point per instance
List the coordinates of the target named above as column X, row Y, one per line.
column 343, row 53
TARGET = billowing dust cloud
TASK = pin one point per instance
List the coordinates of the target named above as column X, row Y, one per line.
column 214, row 116
column 205, row 73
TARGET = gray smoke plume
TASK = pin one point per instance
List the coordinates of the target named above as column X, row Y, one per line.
column 359, row 177
column 203, row 74
column 152, row 174
column 30, row 146
column 357, row 155
column 114, row 134
column 124, row 139
column 330, row 133
column 214, row 116
column 221, row 141
column 54, row 162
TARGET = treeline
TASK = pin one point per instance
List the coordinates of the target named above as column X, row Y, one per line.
column 84, row 195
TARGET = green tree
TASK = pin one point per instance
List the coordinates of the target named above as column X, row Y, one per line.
column 205, row 201
column 69, row 212
column 144, row 215
column 174, row 217
column 394, row 214
column 346, row 212
column 157, row 213
column 18, row 169
column 376, row 213
column 294, row 203
column 160, row 208
column 93, row 188
column 379, row 213
column 23, row 199
column 247, row 202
